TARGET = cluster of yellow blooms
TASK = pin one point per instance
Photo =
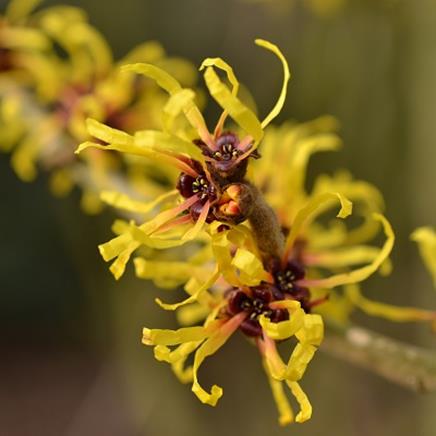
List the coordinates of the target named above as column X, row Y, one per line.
column 56, row 70
column 260, row 254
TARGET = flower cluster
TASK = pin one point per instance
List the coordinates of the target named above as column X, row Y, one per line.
column 56, row 70
column 264, row 257
column 224, row 213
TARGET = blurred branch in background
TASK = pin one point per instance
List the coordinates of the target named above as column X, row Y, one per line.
column 407, row 365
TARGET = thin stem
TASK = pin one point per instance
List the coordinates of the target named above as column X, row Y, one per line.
column 406, row 365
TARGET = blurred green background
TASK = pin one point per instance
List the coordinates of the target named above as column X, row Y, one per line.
column 72, row 360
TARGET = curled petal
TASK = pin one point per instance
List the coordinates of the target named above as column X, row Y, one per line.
column 361, row 273
column 283, row 329
column 175, row 105
column 195, row 296
column 250, row 267
column 172, row 86
column 221, row 64
column 312, row 332
column 177, row 359
column 300, row 358
column 308, row 213
column 118, row 266
column 281, row 100
column 209, row 347
column 243, row 116
column 305, row 406
column 161, row 77
column 425, row 237
column 306, row 147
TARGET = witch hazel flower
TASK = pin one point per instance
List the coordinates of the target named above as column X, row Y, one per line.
column 274, row 291
column 267, row 262
column 47, row 96
column 212, row 165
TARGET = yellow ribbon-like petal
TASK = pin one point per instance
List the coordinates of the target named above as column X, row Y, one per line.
column 286, row 415
column 363, row 273
column 221, row 64
column 286, row 76
column 195, row 296
column 242, row 115
column 124, row 202
column 250, row 267
column 174, row 337
column 172, row 86
column 312, row 332
column 283, row 329
column 209, row 347
column 161, row 141
column 309, row 213
column 108, row 134
column 305, row 406
column 388, row 311
column 425, row 237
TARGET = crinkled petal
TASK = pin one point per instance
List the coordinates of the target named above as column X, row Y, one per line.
column 312, row 332
column 302, row 399
column 300, row 358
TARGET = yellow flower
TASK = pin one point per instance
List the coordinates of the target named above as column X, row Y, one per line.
column 234, row 286
column 311, row 248
column 86, row 83
column 212, row 165
column 250, row 303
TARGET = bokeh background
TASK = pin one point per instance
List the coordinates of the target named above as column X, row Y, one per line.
column 72, row 362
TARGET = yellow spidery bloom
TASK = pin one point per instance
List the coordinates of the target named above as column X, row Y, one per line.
column 313, row 247
column 68, row 89
column 238, row 294
column 212, row 165
column 265, row 261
